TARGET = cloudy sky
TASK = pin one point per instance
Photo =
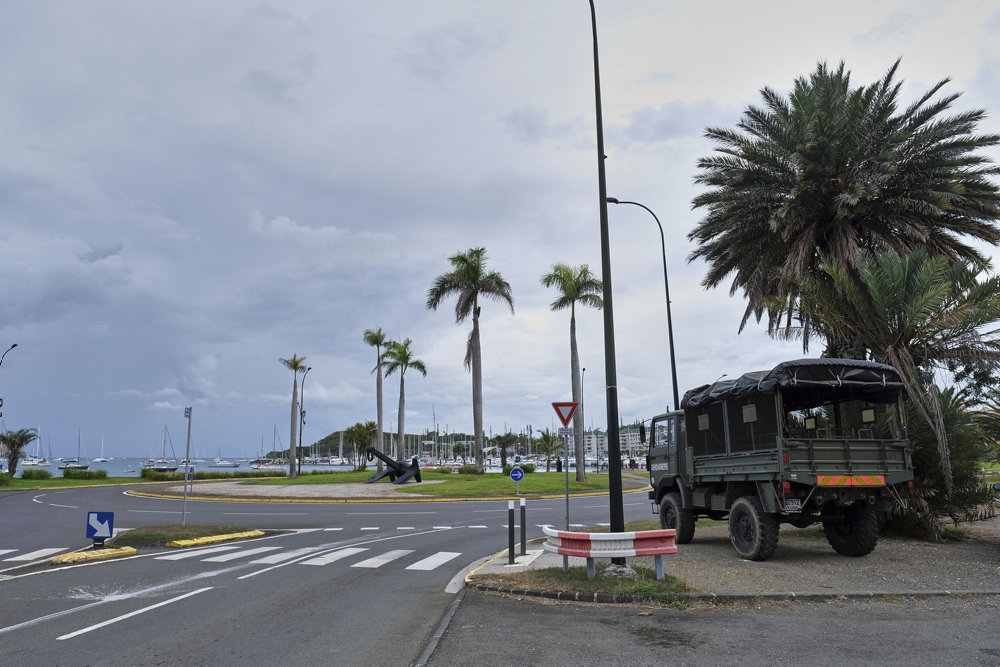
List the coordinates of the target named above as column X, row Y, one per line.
column 191, row 190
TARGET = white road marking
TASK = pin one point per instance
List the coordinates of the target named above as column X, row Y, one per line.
column 477, row 526
column 134, row 613
column 387, row 557
column 406, row 527
column 431, row 562
column 286, row 555
column 369, row 528
column 194, row 554
column 335, row 556
column 7, row 551
column 41, row 553
column 332, row 529
column 233, row 555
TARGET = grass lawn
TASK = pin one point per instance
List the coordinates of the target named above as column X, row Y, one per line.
column 158, row 536
column 460, row 486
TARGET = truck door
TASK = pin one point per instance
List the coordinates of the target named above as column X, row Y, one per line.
column 665, row 444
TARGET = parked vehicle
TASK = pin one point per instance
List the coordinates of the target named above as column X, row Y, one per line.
column 809, row 441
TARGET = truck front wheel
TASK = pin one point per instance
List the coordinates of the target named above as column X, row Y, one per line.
column 753, row 532
column 854, row 532
column 672, row 515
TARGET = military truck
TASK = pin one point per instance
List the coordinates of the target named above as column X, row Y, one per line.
column 809, row 441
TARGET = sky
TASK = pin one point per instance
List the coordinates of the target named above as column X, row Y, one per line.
column 190, row 191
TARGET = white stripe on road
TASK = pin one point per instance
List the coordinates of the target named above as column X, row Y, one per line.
column 195, row 554
column 225, row 558
column 369, row 528
column 134, row 613
column 335, row 556
column 431, row 562
column 41, row 553
column 7, row 551
column 287, row 555
column 387, row 557
column 332, row 529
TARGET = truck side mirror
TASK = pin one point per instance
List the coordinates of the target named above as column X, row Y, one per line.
column 642, row 433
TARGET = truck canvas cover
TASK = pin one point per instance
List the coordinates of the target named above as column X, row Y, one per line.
column 805, row 383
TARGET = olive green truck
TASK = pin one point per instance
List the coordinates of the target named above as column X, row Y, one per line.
column 809, row 441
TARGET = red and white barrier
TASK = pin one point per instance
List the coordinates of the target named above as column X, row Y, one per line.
column 654, row 543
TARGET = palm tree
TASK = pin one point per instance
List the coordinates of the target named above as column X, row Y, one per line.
column 297, row 365
column 548, row 445
column 915, row 313
column 469, row 280
column 15, row 442
column 575, row 284
column 833, row 169
column 376, row 339
column 399, row 357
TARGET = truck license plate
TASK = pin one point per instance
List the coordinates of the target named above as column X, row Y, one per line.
column 792, row 505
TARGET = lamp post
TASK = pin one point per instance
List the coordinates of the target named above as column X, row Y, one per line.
column 302, row 414
column 666, row 290
column 13, row 345
column 616, row 505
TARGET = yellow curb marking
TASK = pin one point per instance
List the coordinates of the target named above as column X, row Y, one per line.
column 93, row 554
column 214, row 538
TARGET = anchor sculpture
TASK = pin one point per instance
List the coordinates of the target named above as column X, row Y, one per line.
column 398, row 472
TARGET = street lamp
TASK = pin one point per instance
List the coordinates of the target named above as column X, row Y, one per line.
column 5, row 353
column 666, row 290
column 302, row 414
column 616, row 507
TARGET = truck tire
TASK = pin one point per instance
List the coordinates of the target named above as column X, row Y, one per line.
column 672, row 515
column 753, row 532
column 856, row 532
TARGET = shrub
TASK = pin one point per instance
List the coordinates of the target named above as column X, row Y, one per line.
column 4, row 479
column 73, row 473
column 467, row 470
column 36, row 473
column 443, row 469
column 526, row 467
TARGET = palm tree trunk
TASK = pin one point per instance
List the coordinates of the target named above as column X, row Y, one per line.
column 574, row 354
column 295, row 420
column 477, row 392
column 378, row 390
column 402, row 405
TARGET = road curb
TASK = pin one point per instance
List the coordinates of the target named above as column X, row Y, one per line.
column 722, row 598
column 93, row 555
column 213, row 539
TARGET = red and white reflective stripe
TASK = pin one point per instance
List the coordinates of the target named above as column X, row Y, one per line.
column 850, row 480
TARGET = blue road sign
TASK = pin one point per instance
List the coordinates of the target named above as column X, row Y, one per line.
column 517, row 458
column 516, row 474
column 100, row 525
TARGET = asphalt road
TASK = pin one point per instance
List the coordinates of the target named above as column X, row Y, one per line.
column 358, row 583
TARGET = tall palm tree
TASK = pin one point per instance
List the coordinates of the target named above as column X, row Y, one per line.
column 15, row 443
column 575, row 284
column 297, row 365
column 469, row 280
column 833, row 169
column 915, row 313
column 399, row 357
column 376, row 339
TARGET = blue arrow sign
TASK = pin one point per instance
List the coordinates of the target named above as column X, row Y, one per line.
column 100, row 525
column 516, row 474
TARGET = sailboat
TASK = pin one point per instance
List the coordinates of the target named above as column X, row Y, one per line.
column 77, row 463
column 161, row 464
column 101, row 457
column 37, row 459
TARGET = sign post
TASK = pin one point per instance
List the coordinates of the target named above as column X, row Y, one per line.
column 565, row 412
column 517, row 474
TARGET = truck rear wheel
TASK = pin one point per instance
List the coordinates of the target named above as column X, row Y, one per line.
column 855, row 532
column 672, row 515
column 753, row 532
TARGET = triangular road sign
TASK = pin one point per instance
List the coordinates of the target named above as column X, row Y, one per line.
column 565, row 411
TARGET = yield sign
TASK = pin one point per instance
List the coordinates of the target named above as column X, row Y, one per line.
column 565, row 411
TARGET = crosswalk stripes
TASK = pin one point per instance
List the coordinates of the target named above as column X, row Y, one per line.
column 431, row 562
column 197, row 552
column 382, row 559
column 34, row 555
column 283, row 556
column 225, row 558
column 335, row 556
column 7, row 551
